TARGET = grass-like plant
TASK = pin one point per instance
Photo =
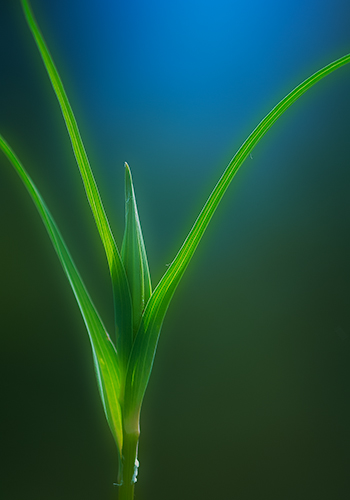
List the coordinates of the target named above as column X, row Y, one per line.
column 123, row 359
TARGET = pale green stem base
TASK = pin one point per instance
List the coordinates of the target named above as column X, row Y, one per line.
column 129, row 469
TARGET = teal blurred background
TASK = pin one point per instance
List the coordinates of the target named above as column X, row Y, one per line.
column 249, row 398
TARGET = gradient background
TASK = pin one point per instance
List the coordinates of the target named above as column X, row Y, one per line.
column 250, row 394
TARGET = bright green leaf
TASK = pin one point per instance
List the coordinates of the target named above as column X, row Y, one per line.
column 122, row 300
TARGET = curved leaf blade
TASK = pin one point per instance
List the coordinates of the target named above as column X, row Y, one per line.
column 104, row 352
column 122, row 300
column 144, row 348
column 134, row 254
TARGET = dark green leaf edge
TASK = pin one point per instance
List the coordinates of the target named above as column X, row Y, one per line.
column 104, row 352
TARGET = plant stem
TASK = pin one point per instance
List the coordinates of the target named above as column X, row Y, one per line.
column 129, row 466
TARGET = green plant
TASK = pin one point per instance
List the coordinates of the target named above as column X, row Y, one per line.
column 123, row 361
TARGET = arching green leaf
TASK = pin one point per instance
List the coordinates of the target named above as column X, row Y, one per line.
column 145, row 344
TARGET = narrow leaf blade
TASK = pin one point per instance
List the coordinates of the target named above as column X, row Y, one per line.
column 104, row 352
column 144, row 348
column 134, row 254
column 122, row 300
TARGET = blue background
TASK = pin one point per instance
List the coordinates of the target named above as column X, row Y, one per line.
column 249, row 397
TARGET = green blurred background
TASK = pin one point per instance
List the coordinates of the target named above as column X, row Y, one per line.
column 249, row 398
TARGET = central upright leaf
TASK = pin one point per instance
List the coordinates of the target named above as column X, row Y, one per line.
column 134, row 255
